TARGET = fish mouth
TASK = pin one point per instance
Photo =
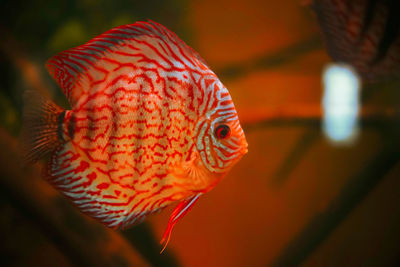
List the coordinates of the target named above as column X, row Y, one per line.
column 244, row 149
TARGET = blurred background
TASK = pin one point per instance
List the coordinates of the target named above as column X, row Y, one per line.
column 302, row 195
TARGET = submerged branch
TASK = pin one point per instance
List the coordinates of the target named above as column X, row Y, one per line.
column 312, row 115
column 271, row 60
column 358, row 188
column 83, row 240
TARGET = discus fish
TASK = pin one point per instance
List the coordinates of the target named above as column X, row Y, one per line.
column 362, row 33
column 150, row 125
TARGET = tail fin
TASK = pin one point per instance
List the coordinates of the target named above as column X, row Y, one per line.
column 40, row 126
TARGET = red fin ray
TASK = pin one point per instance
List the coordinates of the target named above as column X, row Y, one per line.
column 180, row 210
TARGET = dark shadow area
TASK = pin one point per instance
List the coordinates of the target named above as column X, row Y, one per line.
column 144, row 241
column 358, row 188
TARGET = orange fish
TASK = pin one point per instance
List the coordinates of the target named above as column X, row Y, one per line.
column 362, row 33
column 150, row 125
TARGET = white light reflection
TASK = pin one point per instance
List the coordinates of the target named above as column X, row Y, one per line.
column 340, row 103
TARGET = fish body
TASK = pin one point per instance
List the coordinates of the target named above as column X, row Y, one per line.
column 362, row 33
column 150, row 125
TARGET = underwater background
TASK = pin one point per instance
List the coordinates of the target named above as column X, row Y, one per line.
column 295, row 198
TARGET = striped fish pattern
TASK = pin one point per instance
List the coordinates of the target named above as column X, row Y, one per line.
column 362, row 33
column 150, row 125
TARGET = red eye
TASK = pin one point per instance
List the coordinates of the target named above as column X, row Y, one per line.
column 222, row 131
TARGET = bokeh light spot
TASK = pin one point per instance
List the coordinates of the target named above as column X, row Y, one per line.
column 340, row 103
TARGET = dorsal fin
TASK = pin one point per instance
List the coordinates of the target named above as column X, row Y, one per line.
column 76, row 68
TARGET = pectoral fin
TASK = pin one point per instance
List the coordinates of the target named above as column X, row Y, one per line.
column 192, row 174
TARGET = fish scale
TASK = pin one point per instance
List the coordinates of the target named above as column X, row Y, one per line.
column 140, row 134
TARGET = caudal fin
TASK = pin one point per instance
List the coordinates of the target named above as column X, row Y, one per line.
column 40, row 126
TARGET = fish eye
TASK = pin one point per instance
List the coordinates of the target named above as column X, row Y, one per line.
column 222, row 131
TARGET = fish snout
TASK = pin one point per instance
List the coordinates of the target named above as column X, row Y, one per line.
column 244, row 149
